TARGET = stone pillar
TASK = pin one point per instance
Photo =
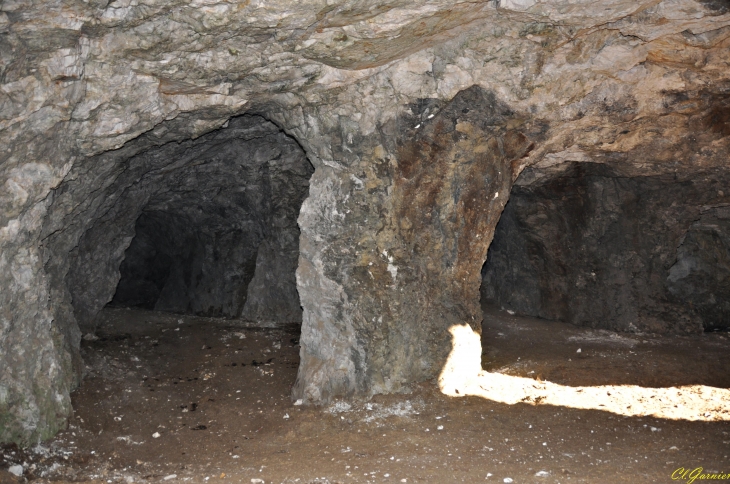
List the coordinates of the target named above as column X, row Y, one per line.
column 393, row 242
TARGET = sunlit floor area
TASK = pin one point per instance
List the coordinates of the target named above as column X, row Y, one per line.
column 610, row 355
column 171, row 398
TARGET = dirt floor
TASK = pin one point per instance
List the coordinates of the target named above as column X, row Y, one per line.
column 172, row 398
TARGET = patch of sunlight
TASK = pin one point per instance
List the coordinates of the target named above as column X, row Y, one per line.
column 462, row 375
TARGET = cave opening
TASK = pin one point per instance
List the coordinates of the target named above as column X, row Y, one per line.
column 205, row 227
column 588, row 245
column 180, row 276
column 220, row 238
column 182, row 256
column 592, row 261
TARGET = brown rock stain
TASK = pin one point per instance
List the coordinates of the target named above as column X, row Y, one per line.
column 450, row 186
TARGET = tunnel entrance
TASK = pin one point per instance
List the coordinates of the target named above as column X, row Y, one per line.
column 204, row 226
column 589, row 245
column 595, row 281
column 180, row 271
column 220, row 236
column 181, row 275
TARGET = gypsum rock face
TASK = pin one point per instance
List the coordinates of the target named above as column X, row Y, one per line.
column 657, row 156
column 621, row 253
column 79, row 78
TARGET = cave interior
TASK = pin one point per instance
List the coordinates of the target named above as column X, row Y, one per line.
column 278, row 225
column 211, row 240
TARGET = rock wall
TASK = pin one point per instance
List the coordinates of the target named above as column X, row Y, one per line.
column 642, row 85
column 590, row 247
column 700, row 277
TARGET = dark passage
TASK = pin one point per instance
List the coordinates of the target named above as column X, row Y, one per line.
column 597, row 248
column 218, row 236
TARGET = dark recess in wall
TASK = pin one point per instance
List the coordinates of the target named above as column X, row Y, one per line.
column 219, row 235
column 596, row 249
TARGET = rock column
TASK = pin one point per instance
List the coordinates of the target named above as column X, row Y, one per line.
column 392, row 245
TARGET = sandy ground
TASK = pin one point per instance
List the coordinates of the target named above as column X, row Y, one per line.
column 172, row 398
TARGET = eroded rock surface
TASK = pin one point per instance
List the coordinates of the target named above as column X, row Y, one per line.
column 594, row 248
column 643, row 85
column 401, row 252
column 700, row 277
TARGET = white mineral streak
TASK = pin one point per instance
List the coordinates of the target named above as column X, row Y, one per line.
column 393, row 271
column 77, row 79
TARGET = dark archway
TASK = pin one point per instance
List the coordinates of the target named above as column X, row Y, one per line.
column 219, row 236
column 205, row 226
column 593, row 247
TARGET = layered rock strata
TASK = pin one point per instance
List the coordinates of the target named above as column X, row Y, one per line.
column 410, row 176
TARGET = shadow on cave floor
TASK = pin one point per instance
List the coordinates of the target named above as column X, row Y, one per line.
column 206, row 401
